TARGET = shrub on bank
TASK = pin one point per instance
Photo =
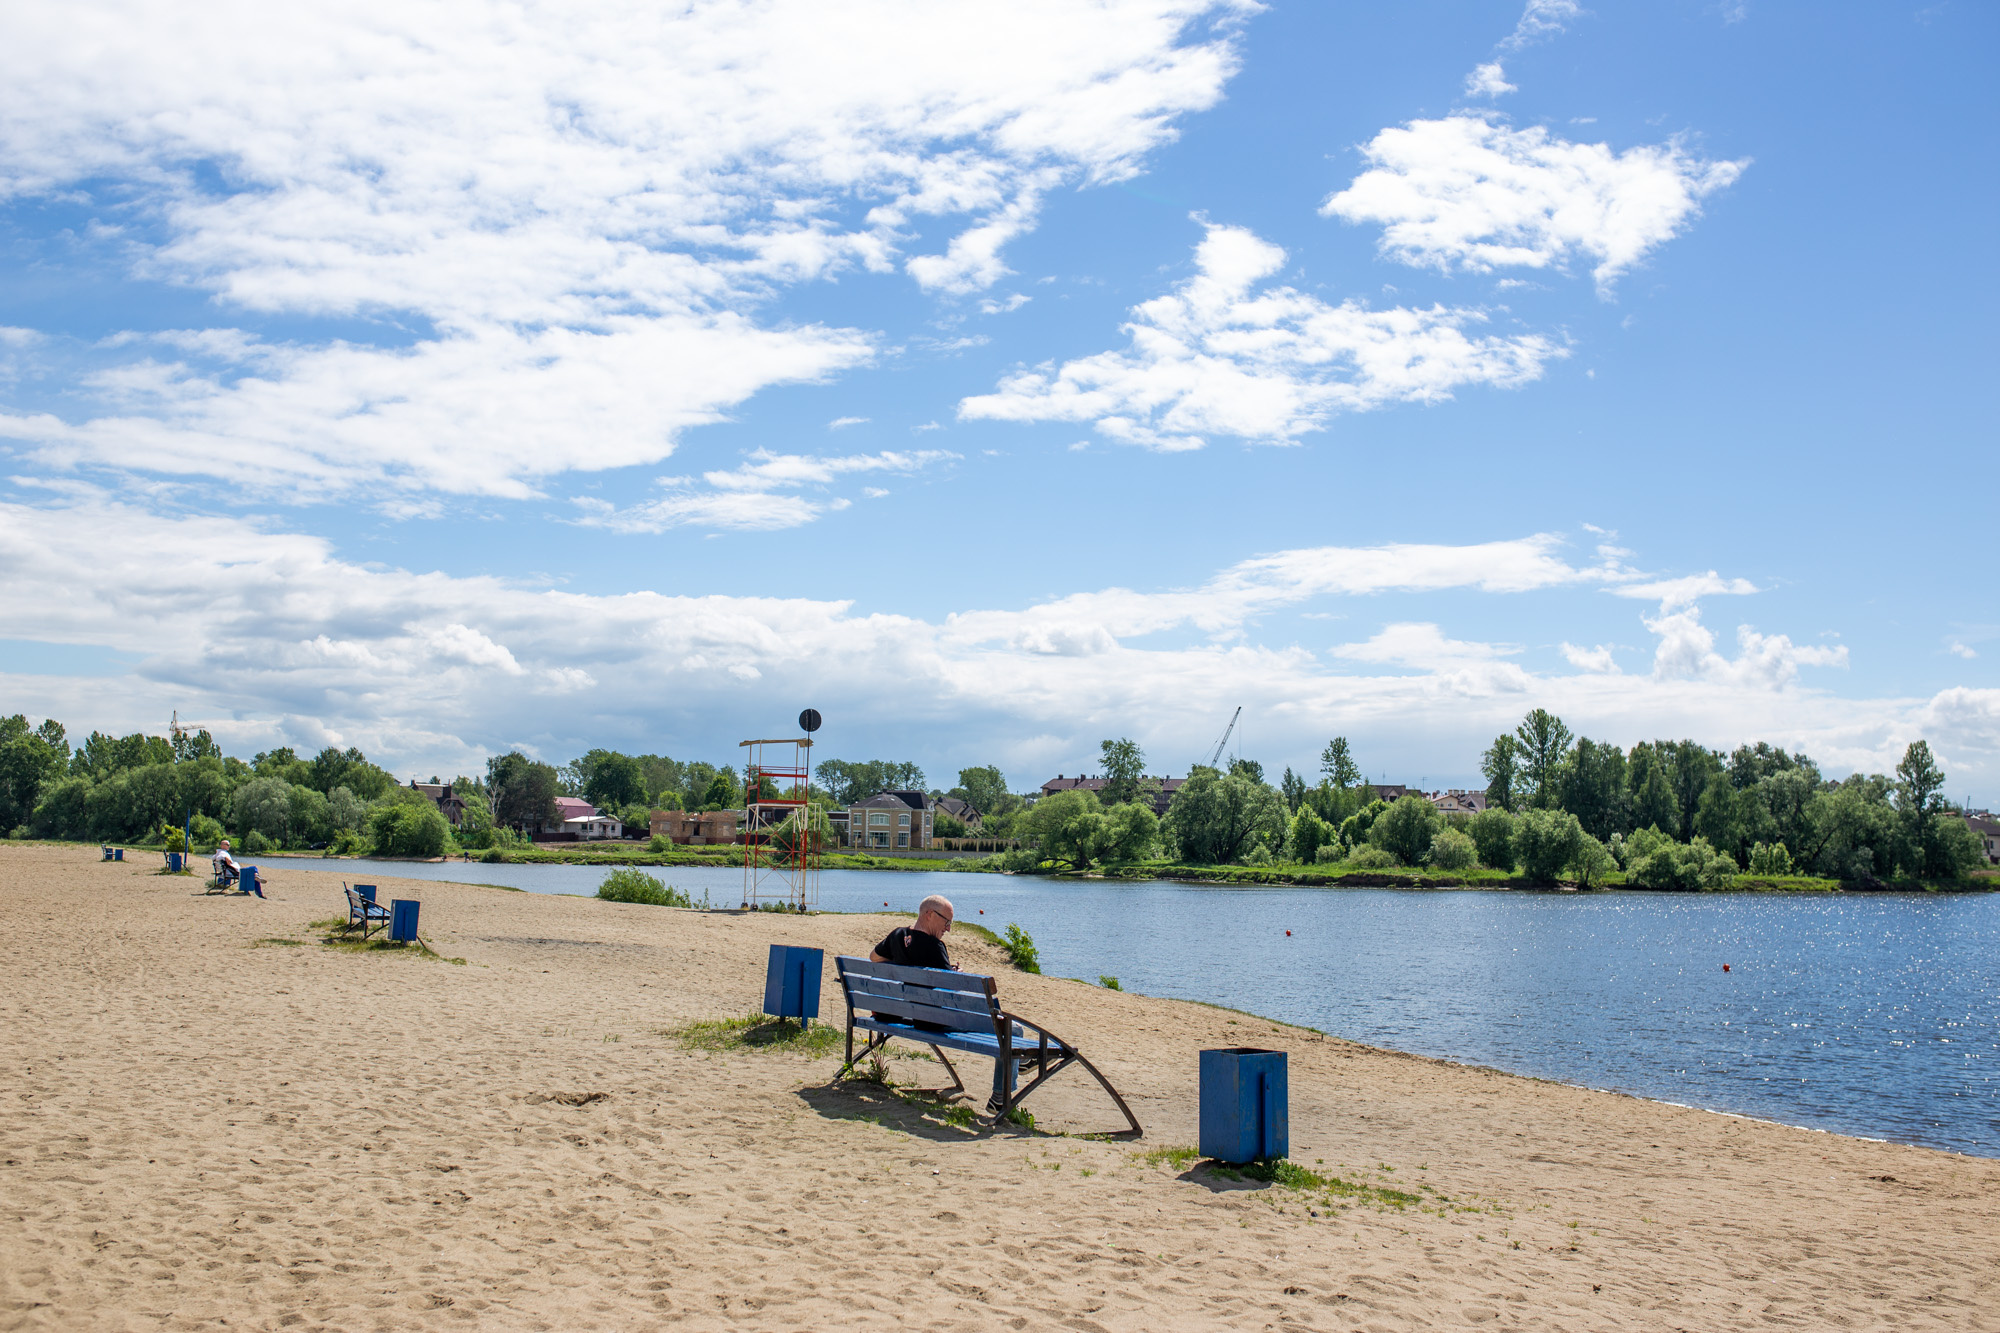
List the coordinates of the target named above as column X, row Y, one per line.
column 628, row 885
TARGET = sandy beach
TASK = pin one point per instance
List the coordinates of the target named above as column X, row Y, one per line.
column 212, row 1119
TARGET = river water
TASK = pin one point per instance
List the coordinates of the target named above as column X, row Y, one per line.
column 1875, row 1014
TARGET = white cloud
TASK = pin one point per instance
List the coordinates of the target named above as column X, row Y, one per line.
column 1958, row 649
column 1225, row 354
column 989, row 306
column 433, row 671
column 1488, row 80
column 1598, row 659
column 842, row 423
column 564, row 222
column 1540, row 19
column 1675, row 593
column 1466, row 192
column 753, row 497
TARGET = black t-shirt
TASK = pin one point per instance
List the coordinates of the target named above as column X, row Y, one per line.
column 907, row 946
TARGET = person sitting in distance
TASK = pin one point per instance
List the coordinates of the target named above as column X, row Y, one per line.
column 227, row 872
column 922, row 945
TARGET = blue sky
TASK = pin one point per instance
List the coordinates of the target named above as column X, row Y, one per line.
column 997, row 380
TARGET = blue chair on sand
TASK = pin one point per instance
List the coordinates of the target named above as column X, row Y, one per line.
column 365, row 914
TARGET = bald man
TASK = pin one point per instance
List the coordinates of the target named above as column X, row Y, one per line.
column 921, row 945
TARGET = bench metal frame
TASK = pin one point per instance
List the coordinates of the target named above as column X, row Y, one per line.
column 360, row 912
column 887, row 1000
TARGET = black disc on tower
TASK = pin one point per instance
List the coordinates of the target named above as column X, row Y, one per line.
column 809, row 721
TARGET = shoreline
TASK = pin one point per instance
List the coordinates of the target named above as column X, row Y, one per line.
column 217, row 1117
column 988, row 937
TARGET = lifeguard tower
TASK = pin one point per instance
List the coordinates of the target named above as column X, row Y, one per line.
column 784, row 838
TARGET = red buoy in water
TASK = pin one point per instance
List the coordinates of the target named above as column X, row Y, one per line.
column 1725, row 967
column 1288, row 934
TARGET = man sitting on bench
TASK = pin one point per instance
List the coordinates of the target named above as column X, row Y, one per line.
column 227, row 872
column 922, row 945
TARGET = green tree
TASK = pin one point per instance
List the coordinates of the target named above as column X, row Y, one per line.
column 1293, row 788
column 522, row 792
column 401, row 829
column 1337, row 766
column 851, row 782
column 1590, row 862
column 308, row 821
column 1920, row 797
column 1247, row 769
column 1546, row 842
column 1131, row 831
column 263, row 805
column 1124, row 766
column 722, row 792
column 27, row 764
column 1501, row 765
column 1541, row 742
column 348, row 812
column 1689, row 766
column 1309, row 833
column 1651, row 792
column 985, row 790
column 1068, row 828
column 1215, row 819
column 1406, row 828
column 1452, row 850
column 1492, row 832
column 608, row 779
column 1592, row 784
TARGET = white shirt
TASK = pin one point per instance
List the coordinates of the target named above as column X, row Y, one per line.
column 222, row 855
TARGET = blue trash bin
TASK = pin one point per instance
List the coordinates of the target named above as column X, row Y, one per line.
column 1245, row 1115
column 791, row 982
column 247, row 881
column 173, row 863
column 118, row 853
column 403, row 919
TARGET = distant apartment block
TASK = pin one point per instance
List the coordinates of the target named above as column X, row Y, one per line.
column 1163, row 794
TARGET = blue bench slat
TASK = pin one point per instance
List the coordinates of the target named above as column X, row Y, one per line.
column 910, row 1011
column 976, row 1043
column 942, row 978
column 976, row 1006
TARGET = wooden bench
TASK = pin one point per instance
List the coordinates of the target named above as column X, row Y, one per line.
column 360, row 912
column 885, row 1000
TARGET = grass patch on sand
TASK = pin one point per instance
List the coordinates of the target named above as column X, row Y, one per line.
column 273, row 939
column 1323, row 1188
column 757, row 1032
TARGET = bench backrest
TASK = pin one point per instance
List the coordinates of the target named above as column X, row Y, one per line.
column 956, row 1001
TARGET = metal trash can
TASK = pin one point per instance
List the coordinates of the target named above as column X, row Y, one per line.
column 173, row 863
column 248, row 881
column 403, row 919
column 791, row 982
column 118, row 853
column 1245, row 1095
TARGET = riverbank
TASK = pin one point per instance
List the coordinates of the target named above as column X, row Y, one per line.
column 215, row 1116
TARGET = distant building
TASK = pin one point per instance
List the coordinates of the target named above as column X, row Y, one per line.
column 450, row 806
column 1987, row 829
column 962, row 811
column 890, row 820
column 694, row 828
column 1392, row 792
column 1456, row 802
column 1162, row 796
column 577, row 820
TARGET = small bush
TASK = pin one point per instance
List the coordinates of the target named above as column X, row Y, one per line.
column 1452, row 850
column 1492, row 833
column 1766, row 861
column 1020, row 947
column 255, row 843
column 1368, row 857
column 1109, row 983
column 493, row 854
column 660, row 843
column 627, row 885
column 1330, row 854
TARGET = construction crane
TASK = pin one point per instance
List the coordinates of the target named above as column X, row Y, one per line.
column 1222, row 744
